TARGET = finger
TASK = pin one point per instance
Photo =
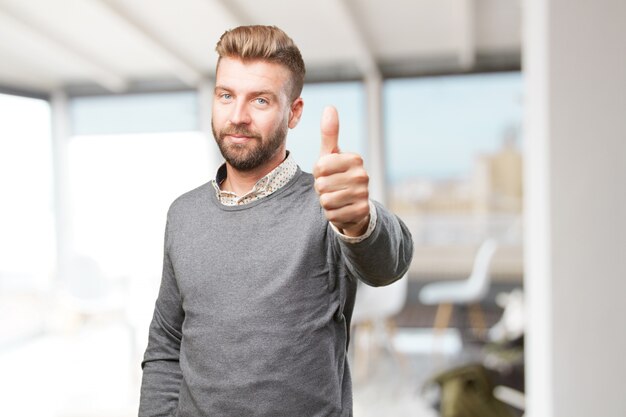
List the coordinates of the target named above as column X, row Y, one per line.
column 330, row 131
column 348, row 216
column 332, row 183
column 336, row 163
column 342, row 198
column 355, row 179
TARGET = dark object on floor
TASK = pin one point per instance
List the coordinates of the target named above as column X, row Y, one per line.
column 467, row 391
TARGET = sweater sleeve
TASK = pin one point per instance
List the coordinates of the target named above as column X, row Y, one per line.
column 385, row 256
column 161, row 369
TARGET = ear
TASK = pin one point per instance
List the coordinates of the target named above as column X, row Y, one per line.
column 295, row 112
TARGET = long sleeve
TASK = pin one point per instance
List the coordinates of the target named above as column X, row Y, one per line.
column 161, row 369
column 385, row 256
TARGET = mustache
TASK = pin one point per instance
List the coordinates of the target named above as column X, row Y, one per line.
column 239, row 130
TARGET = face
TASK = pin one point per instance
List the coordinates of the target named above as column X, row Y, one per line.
column 252, row 112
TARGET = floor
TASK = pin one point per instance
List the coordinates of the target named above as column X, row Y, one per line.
column 91, row 371
column 397, row 385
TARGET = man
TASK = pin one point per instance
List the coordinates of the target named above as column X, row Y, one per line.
column 261, row 264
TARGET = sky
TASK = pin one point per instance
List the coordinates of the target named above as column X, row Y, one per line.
column 435, row 125
column 349, row 98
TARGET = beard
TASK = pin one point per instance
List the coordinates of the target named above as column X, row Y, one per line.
column 251, row 155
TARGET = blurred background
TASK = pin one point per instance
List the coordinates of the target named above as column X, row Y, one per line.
column 493, row 128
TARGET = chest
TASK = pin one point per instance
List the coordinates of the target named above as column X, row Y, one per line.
column 265, row 265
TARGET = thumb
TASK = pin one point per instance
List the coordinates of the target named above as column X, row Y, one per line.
column 330, row 131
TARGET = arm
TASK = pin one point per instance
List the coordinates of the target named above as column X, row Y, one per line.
column 161, row 369
column 376, row 246
column 384, row 256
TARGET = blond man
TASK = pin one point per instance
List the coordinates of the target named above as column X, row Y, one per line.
column 261, row 264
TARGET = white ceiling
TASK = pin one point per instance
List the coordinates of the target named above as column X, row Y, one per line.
column 118, row 45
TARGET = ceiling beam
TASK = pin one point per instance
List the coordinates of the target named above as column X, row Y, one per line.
column 365, row 57
column 28, row 92
column 21, row 68
column 99, row 72
column 233, row 11
column 183, row 69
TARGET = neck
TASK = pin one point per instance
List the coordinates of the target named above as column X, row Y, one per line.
column 240, row 182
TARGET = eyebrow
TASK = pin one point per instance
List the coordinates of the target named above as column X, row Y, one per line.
column 221, row 87
column 269, row 93
column 265, row 93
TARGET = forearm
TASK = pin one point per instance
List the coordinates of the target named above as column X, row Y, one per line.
column 161, row 370
column 385, row 255
column 161, row 367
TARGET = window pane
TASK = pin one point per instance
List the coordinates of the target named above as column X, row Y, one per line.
column 134, row 113
column 349, row 99
column 436, row 126
column 455, row 166
column 121, row 187
column 26, row 217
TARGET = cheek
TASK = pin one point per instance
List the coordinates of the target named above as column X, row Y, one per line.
column 216, row 118
column 269, row 123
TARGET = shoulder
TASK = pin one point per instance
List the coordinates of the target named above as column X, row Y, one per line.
column 306, row 180
column 301, row 189
column 191, row 200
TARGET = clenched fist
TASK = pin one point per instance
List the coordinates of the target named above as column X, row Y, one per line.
column 341, row 181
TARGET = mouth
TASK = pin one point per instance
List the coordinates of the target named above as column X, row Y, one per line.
column 239, row 139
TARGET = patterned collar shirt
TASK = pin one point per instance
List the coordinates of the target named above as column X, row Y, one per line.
column 272, row 182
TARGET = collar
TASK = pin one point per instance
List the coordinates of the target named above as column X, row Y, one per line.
column 270, row 183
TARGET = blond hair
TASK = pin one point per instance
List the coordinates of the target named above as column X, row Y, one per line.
column 266, row 43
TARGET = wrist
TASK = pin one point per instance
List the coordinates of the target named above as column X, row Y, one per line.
column 358, row 229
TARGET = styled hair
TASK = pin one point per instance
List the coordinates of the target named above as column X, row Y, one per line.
column 266, row 43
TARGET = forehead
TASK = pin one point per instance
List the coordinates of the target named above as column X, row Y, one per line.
column 250, row 76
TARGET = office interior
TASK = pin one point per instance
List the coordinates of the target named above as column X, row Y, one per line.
column 493, row 128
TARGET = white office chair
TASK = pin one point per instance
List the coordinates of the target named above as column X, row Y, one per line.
column 467, row 292
column 373, row 324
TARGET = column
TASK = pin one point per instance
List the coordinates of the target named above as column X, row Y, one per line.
column 375, row 142
column 575, row 176
column 61, row 131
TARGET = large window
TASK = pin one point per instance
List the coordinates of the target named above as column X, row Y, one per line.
column 26, row 216
column 135, row 113
column 121, row 187
column 349, row 99
column 130, row 156
column 27, row 249
column 454, row 161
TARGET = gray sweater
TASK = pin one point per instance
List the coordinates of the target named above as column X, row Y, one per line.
column 253, row 313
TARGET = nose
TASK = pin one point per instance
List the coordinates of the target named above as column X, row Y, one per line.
column 239, row 113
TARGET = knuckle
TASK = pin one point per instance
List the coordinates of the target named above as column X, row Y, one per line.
column 320, row 185
column 363, row 194
column 321, row 167
column 363, row 206
column 356, row 159
column 362, row 177
column 317, row 169
column 332, row 215
column 325, row 201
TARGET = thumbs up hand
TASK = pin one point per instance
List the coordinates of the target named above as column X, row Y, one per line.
column 341, row 181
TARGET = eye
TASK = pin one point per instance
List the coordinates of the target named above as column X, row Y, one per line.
column 223, row 97
column 261, row 100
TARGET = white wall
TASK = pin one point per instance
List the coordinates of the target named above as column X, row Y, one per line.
column 575, row 69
